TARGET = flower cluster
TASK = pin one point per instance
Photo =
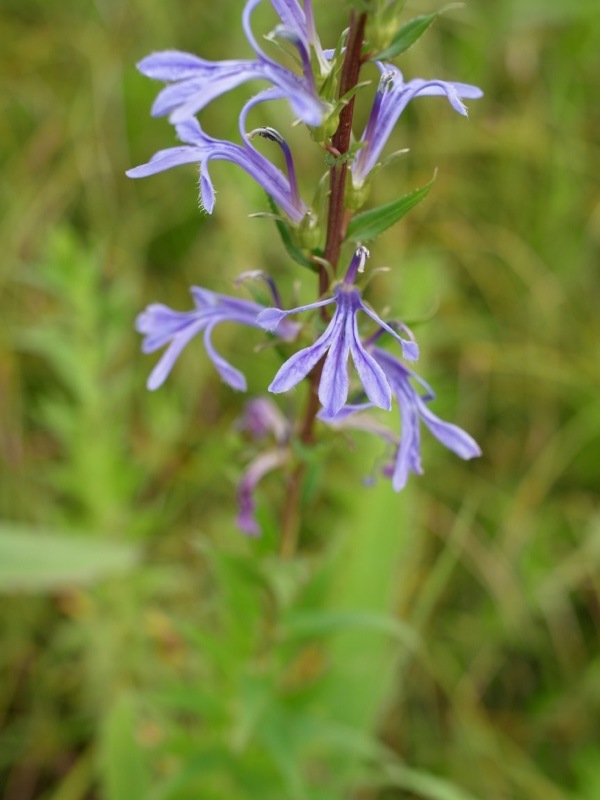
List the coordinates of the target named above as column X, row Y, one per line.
column 380, row 378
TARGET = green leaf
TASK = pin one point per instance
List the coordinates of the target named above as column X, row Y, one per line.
column 369, row 224
column 324, row 623
column 407, row 36
column 38, row 560
column 425, row 785
column 123, row 774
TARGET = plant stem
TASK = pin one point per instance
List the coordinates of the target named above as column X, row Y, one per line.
column 341, row 143
column 336, row 227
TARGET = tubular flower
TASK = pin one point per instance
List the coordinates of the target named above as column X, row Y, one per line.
column 261, row 417
column 162, row 326
column 392, row 97
column 299, row 27
column 340, row 340
column 194, row 82
column 413, row 410
column 264, row 463
column 201, row 148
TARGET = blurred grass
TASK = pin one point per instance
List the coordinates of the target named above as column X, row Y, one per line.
column 493, row 565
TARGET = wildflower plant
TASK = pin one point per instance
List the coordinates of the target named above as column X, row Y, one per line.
column 322, row 239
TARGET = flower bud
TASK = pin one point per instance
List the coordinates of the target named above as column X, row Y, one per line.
column 356, row 196
column 326, row 130
column 308, row 233
column 381, row 29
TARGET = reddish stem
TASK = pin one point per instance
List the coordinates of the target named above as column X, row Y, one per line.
column 337, row 222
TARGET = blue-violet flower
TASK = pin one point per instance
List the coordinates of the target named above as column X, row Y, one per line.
column 195, row 82
column 254, row 473
column 201, row 148
column 392, row 97
column 339, row 340
column 413, row 410
column 162, row 325
column 261, row 417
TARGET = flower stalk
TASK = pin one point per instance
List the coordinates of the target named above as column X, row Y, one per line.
column 336, row 223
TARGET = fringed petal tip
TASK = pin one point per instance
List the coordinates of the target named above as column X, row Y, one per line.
column 270, row 318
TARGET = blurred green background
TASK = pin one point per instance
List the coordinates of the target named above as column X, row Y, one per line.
column 149, row 651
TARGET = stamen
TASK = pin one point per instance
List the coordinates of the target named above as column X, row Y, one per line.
column 357, row 265
column 274, row 136
column 259, row 274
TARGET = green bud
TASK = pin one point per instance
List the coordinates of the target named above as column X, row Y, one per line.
column 356, row 196
column 327, row 129
column 308, row 233
column 380, row 32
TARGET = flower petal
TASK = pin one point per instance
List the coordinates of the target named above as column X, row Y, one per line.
column 300, row 364
column 453, row 437
column 173, row 157
column 204, row 92
column 228, row 373
column 334, row 383
column 410, row 350
column 270, row 318
column 171, row 65
column 370, row 373
column 160, row 324
column 161, row 371
column 408, row 457
column 292, row 15
column 207, row 190
column 266, row 462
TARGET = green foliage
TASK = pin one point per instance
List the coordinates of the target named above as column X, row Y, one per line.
column 369, row 224
column 38, row 561
column 123, row 772
column 409, row 33
column 151, row 652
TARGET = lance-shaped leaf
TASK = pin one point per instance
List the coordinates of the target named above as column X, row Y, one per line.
column 33, row 560
column 407, row 35
column 369, row 224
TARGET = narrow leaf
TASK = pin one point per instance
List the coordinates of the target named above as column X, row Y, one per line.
column 35, row 560
column 324, row 623
column 406, row 36
column 123, row 771
column 369, row 224
column 425, row 785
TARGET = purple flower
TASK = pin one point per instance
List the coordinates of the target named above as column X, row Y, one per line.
column 264, row 463
column 162, row 326
column 201, row 148
column 299, row 27
column 261, row 417
column 413, row 410
column 195, row 82
column 340, row 340
column 393, row 95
